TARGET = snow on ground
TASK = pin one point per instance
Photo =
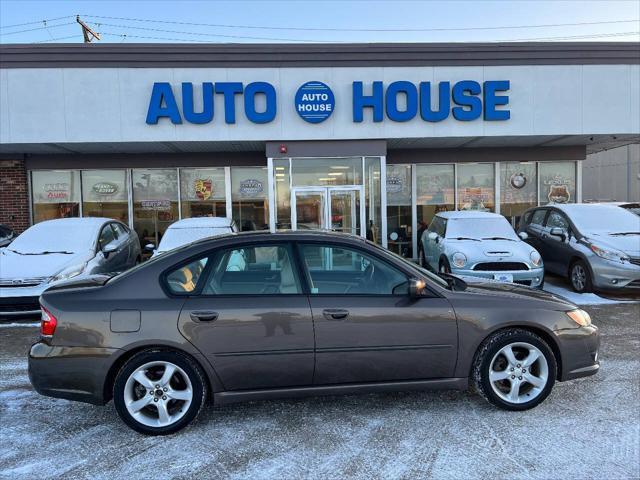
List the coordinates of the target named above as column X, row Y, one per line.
column 581, row 298
column 588, row 428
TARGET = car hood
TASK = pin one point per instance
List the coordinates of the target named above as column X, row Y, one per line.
column 492, row 250
column 514, row 291
column 629, row 244
column 16, row 266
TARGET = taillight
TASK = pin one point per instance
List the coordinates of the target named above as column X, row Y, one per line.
column 48, row 323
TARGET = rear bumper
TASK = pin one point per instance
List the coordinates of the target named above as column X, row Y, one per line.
column 72, row 373
column 579, row 349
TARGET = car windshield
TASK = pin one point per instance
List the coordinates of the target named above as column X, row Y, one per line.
column 45, row 238
column 604, row 218
column 481, row 228
column 176, row 237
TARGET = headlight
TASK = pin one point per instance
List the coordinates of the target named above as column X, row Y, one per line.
column 536, row 259
column 579, row 316
column 609, row 253
column 458, row 259
column 69, row 272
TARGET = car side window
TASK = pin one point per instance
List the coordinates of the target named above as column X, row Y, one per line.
column 253, row 270
column 557, row 220
column 106, row 236
column 338, row 270
column 119, row 229
column 183, row 280
column 538, row 217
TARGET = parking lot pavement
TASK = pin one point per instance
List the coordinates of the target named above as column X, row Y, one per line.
column 588, row 428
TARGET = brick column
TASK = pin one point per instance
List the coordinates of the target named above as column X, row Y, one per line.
column 14, row 195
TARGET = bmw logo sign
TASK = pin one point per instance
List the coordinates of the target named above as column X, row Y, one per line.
column 314, row 102
column 518, row 180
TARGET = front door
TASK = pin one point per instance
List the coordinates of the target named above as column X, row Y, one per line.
column 340, row 209
column 367, row 327
column 249, row 316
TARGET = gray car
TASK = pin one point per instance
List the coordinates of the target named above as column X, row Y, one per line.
column 56, row 250
column 480, row 244
column 304, row 313
column 596, row 246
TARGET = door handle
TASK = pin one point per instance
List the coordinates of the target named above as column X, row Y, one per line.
column 203, row 316
column 335, row 314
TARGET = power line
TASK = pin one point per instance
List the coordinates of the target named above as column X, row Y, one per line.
column 305, row 29
column 56, row 39
column 45, row 26
column 38, row 21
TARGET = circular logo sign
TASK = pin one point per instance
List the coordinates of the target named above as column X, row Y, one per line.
column 314, row 102
column 518, row 180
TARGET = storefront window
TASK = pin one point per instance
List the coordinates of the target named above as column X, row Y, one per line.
column 435, row 192
column 557, row 182
column 372, row 194
column 202, row 192
column 476, row 187
column 283, row 194
column 56, row 194
column 155, row 203
column 518, row 189
column 250, row 202
column 326, row 171
column 105, row 193
column 399, row 209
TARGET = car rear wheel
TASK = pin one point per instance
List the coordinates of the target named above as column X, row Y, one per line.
column 514, row 369
column 159, row 392
column 580, row 277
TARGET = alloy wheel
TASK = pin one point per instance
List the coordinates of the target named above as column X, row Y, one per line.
column 518, row 372
column 158, row 394
column 578, row 277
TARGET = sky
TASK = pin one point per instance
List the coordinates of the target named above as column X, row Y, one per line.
column 133, row 21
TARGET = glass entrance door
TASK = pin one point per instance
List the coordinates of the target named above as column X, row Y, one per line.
column 329, row 208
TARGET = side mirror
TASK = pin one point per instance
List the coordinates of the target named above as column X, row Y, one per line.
column 416, row 287
column 149, row 247
column 432, row 236
column 523, row 235
column 558, row 232
column 108, row 250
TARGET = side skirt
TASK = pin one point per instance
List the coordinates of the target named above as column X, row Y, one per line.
column 223, row 398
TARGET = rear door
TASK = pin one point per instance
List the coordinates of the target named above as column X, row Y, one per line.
column 249, row 316
column 367, row 327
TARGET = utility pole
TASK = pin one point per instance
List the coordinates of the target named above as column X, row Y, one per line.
column 87, row 32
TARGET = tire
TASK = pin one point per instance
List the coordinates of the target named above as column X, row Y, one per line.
column 580, row 277
column 187, row 382
column 529, row 392
column 443, row 266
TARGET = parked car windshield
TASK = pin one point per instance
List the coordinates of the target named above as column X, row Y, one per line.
column 480, row 228
column 604, row 218
column 176, row 237
column 44, row 238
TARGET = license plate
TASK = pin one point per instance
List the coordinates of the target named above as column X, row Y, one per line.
column 503, row 277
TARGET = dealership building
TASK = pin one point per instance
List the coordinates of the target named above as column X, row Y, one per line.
column 369, row 139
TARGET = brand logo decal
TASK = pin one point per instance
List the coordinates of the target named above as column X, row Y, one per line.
column 250, row 187
column 105, row 188
column 314, row 102
column 203, row 188
column 518, row 180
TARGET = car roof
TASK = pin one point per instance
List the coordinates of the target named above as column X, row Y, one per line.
column 569, row 208
column 202, row 222
column 467, row 214
column 78, row 222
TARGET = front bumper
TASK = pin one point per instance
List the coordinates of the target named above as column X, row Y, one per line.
column 579, row 352
column 20, row 301
column 532, row 278
column 72, row 373
column 608, row 275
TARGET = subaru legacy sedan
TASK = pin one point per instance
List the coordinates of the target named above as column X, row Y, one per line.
column 305, row 313
column 56, row 250
column 480, row 244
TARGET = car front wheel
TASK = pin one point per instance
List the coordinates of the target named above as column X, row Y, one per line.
column 580, row 277
column 159, row 392
column 514, row 369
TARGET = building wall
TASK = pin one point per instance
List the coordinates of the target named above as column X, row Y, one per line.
column 14, row 195
column 612, row 175
column 110, row 104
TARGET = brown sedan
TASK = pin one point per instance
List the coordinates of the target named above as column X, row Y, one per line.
column 258, row 315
